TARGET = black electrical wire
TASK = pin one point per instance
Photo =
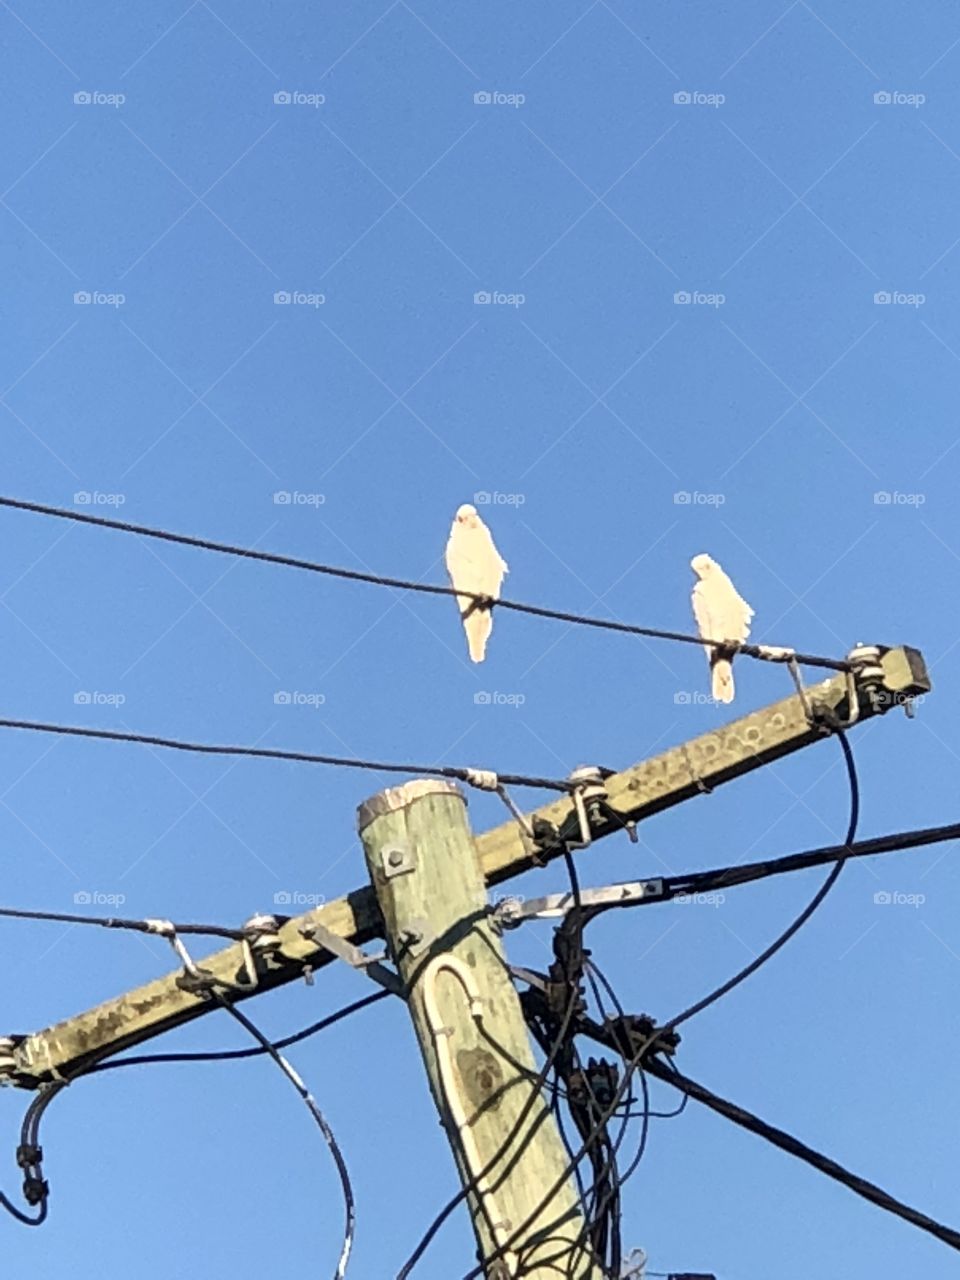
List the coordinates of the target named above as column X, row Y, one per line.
column 793, row 1146
column 621, row 1012
column 602, row 1217
column 638, row 1056
column 349, row 1205
column 30, row 1129
column 804, row 915
column 110, row 922
column 30, row 1158
column 269, row 753
column 234, row 1055
column 470, row 1186
column 745, row 872
column 608, row 1206
column 356, row 575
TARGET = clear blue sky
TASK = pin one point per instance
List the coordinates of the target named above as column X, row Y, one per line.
column 781, row 399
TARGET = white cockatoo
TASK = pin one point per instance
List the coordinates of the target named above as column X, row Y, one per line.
column 474, row 564
column 721, row 614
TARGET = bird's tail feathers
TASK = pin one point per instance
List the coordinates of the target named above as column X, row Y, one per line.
column 478, row 626
column 723, row 680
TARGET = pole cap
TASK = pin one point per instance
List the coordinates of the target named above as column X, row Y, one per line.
column 394, row 798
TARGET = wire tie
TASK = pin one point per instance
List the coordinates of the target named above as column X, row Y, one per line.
column 163, row 928
column 482, row 779
column 704, row 788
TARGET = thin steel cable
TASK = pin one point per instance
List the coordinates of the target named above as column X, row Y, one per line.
column 403, row 584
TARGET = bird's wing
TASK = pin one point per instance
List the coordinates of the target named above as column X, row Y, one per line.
column 721, row 612
column 736, row 612
column 705, row 613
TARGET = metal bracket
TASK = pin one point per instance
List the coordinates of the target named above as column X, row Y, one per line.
column 372, row 966
column 511, row 912
column 588, row 793
column 398, row 860
column 530, row 977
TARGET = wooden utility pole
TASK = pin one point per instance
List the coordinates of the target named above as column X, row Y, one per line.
column 428, row 899
column 472, row 1034
column 636, row 793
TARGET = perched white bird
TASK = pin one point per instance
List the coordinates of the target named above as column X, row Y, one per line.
column 721, row 614
column 474, row 564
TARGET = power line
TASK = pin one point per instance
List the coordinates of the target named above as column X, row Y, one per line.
column 459, row 774
column 234, row 1055
column 473, row 1182
column 636, row 1063
column 745, row 872
column 786, row 1142
column 137, row 926
column 349, row 1204
column 798, row 923
column 36, row 1191
column 29, row 1152
column 638, row 1057
column 763, row 652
